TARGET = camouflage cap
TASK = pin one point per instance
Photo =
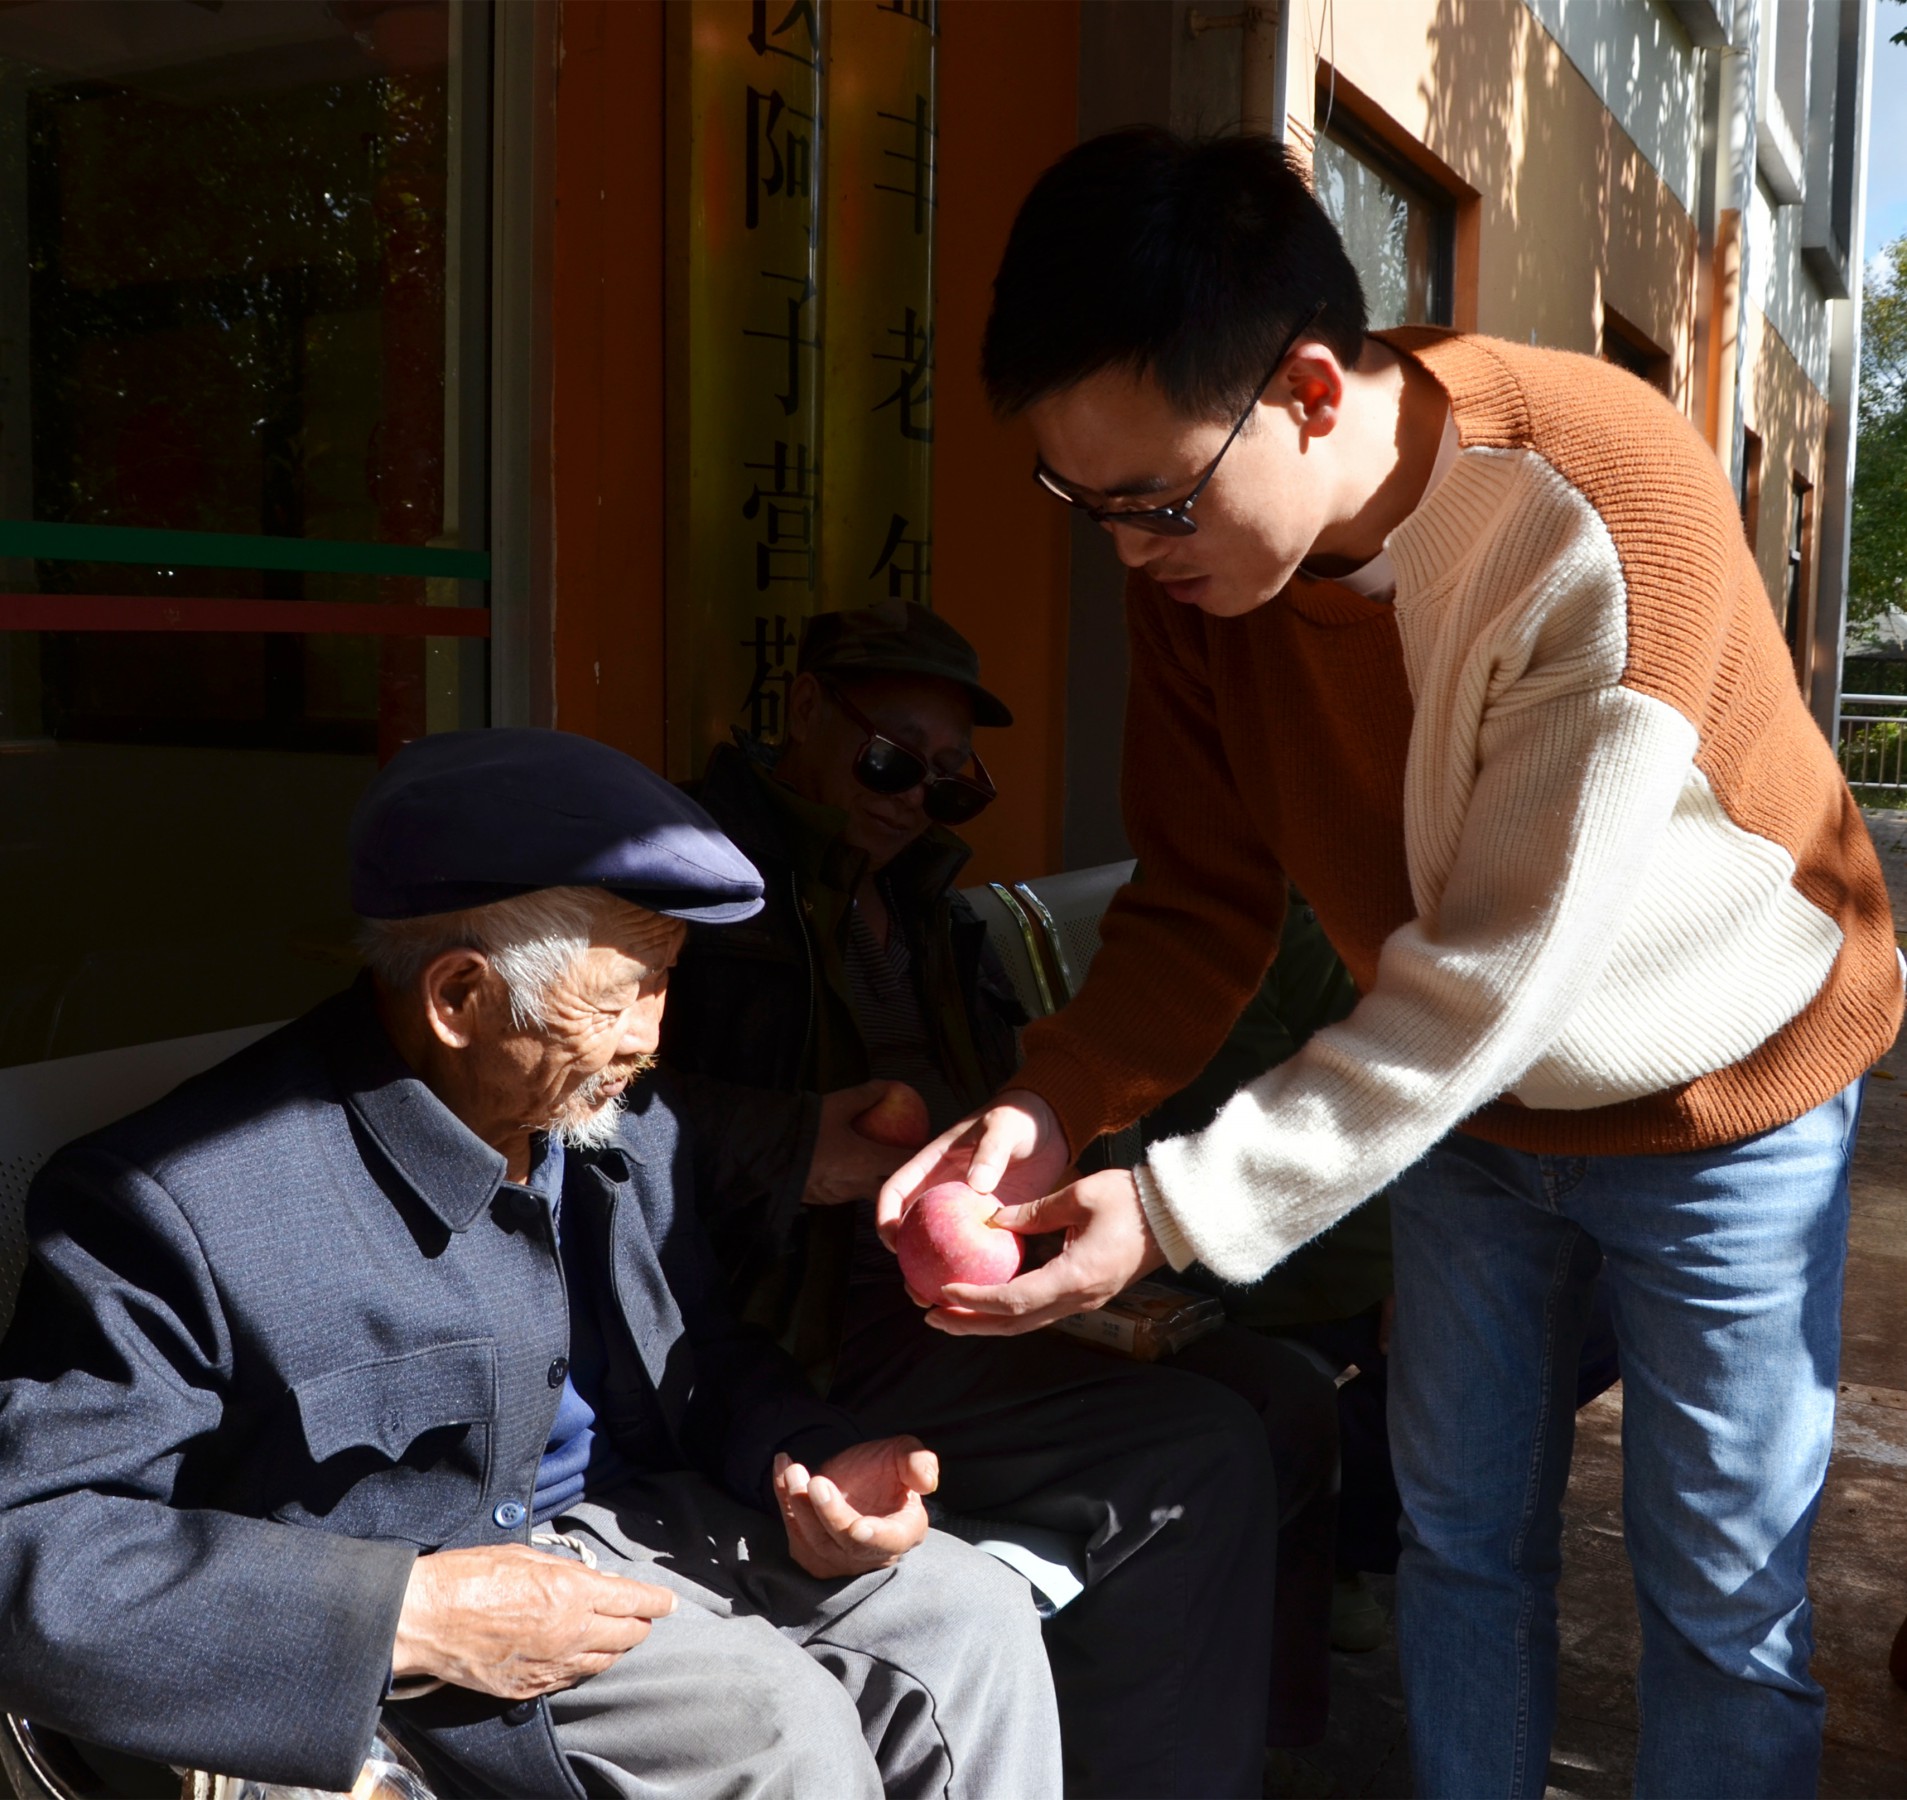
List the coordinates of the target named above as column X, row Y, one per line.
column 896, row 637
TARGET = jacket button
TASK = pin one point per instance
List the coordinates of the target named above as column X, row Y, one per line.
column 510, row 1514
column 559, row 1369
column 520, row 1714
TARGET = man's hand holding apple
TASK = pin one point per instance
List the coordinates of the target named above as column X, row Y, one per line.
column 1109, row 1246
column 1016, row 1150
column 866, row 1131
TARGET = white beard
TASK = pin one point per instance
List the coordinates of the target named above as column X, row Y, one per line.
column 594, row 1130
column 589, row 1119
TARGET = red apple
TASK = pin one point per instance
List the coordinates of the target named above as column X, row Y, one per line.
column 898, row 1118
column 946, row 1236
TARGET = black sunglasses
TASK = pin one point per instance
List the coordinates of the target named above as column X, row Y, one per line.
column 885, row 767
column 1176, row 519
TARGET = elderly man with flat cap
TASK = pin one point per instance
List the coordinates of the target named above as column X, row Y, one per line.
column 384, row 1369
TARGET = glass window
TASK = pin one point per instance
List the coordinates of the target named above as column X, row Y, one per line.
column 1750, row 489
column 242, row 443
column 1400, row 235
column 1794, row 619
column 1629, row 347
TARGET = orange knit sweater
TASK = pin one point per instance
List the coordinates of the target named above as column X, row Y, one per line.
column 1559, row 807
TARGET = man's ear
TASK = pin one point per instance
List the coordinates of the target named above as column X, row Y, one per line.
column 805, row 699
column 453, row 987
column 1314, row 379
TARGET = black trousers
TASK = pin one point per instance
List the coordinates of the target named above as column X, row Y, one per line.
column 1205, row 1490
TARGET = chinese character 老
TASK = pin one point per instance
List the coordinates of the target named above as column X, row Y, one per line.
column 913, row 394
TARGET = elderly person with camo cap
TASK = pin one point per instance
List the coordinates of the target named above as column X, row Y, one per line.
column 384, row 1370
column 1202, row 1489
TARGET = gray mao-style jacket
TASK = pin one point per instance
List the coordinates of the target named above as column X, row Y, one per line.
column 286, row 1329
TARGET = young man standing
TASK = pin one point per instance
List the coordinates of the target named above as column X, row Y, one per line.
column 1464, row 638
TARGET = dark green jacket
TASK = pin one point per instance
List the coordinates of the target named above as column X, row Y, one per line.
column 762, row 1007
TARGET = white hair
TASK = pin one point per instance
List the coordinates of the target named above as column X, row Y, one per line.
column 532, row 941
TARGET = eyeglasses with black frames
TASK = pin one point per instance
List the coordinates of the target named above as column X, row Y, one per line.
column 885, row 767
column 1174, row 519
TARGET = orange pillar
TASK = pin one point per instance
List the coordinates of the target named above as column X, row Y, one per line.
column 606, row 374
column 1009, row 105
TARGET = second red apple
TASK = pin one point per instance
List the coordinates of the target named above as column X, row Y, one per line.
column 898, row 1118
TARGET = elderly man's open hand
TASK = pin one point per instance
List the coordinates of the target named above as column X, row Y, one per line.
column 516, row 1622
column 860, row 1510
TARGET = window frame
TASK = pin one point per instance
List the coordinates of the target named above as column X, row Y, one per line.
column 1345, row 114
column 466, row 574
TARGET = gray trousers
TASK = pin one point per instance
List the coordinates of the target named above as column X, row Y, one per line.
column 924, row 1679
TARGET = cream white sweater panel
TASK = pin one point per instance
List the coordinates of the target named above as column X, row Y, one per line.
column 1591, row 925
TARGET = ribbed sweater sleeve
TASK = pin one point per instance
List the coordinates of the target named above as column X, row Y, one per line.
column 1464, row 1003
column 1183, row 948
column 1554, row 785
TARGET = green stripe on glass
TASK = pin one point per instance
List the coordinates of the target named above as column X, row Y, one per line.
column 228, row 550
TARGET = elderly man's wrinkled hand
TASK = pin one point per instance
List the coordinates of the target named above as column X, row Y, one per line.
column 1108, row 1246
column 516, row 1622
column 861, row 1510
column 848, row 1165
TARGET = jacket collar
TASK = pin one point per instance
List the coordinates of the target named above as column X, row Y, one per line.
column 439, row 1158
column 773, row 824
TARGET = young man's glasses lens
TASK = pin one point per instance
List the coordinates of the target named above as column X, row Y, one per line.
column 885, row 767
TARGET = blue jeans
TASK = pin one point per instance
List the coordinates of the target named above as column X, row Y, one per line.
column 1724, row 1269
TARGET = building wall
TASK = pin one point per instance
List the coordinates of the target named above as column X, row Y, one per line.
column 1789, row 414
column 1570, row 217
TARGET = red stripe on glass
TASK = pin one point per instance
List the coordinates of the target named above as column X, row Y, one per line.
column 308, row 618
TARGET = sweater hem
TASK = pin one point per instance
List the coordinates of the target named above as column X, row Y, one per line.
column 1787, row 1078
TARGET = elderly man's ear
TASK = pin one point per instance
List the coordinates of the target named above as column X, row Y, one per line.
column 806, row 697
column 453, row 987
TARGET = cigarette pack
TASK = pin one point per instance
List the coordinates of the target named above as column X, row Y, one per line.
column 1149, row 1320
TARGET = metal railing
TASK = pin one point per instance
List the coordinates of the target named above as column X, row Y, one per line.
column 1872, row 741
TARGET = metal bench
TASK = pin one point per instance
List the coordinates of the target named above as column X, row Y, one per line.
column 1046, row 932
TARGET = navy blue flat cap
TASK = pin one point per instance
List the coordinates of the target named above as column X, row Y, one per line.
column 467, row 817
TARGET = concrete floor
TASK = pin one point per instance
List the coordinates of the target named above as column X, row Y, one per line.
column 1859, row 1568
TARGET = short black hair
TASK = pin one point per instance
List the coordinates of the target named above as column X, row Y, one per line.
column 1191, row 259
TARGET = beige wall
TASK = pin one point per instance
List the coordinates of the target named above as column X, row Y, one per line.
column 1563, row 218
column 1568, row 216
